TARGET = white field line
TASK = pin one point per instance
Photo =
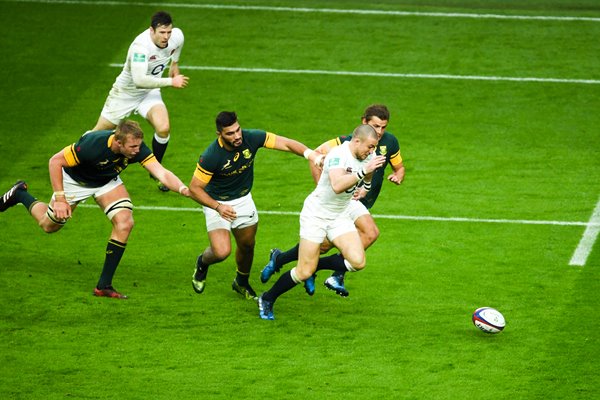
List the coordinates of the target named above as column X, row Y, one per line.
column 382, row 74
column 317, row 10
column 384, row 216
column 588, row 239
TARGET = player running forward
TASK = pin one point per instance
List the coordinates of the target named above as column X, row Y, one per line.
column 377, row 116
column 137, row 88
column 90, row 168
column 323, row 216
column 222, row 183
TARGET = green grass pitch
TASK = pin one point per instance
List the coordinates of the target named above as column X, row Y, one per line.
column 502, row 176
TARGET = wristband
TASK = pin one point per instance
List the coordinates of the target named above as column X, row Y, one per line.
column 182, row 188
column 59, row 193
column 360, row 174
column 319, row 160
column 307, row 153
column 217, row 207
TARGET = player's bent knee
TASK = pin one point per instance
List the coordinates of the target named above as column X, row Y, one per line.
column 117, row 206
column 50, row 223
column 221, row 253
column 357, row 264
column 122, row 222
column 163, row 130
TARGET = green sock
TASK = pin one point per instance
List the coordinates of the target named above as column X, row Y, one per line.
column 25, row 198
column 242, row 278
column 114, row 252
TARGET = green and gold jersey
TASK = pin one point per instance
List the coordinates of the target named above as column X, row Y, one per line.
column 230, row 174
column 389, row 147
column 92, row 163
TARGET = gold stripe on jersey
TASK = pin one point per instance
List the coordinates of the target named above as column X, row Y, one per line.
column 148, row 160
column 202, row 174
column 110, row 140
column 70, row 155
column 333, row 142
column 396, row 158
column 270, row 140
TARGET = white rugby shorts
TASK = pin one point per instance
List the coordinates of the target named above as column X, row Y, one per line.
column 247, row 215
column 121, row 103
column 356, row 209
column 76, row 193
column 316, row 226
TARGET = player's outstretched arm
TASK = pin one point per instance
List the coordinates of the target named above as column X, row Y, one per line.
column 293, row 146
column 167, row 178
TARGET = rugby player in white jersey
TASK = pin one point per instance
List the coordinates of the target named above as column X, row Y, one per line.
column 137, row 88
column 345, row 167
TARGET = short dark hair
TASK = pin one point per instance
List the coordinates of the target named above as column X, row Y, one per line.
column 225, row 119
column 377, row 110
column 161, row 18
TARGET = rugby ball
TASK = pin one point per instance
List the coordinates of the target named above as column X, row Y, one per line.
column 488, row 320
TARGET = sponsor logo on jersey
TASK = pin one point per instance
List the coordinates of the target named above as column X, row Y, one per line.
column 103, row 163
column 227, row 165
column 152, row 58
column 333, row 162
column 137, row 57
column 235, row 158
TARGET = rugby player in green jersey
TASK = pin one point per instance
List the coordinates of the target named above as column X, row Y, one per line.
column 222, row 183
column 90, row 168
column 376, row 115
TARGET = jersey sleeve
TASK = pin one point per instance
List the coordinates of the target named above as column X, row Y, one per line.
column 71, row 155
column 205, row 167
column 81, row 151
column 395, row 157
column 202, row 174
column 270, row 140
column 145, row 156
column 138, row 58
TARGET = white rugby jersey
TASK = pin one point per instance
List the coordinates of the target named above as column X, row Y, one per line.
column 146, row 62
column 331, row 203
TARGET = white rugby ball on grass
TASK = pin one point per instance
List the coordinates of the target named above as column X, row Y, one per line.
column 489, row 320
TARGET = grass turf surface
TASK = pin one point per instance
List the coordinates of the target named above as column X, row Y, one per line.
column 474, row 149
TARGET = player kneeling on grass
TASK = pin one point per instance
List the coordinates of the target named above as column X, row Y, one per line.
column 323, row 216
column 90, row 168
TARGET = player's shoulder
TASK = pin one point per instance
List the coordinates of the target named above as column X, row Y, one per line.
column 340, row 150
column 389, row 136
column 177, row 34
column 344, row 138
column 253, row 132
column 93, row 142
column 94, row 136
column 142, row 42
